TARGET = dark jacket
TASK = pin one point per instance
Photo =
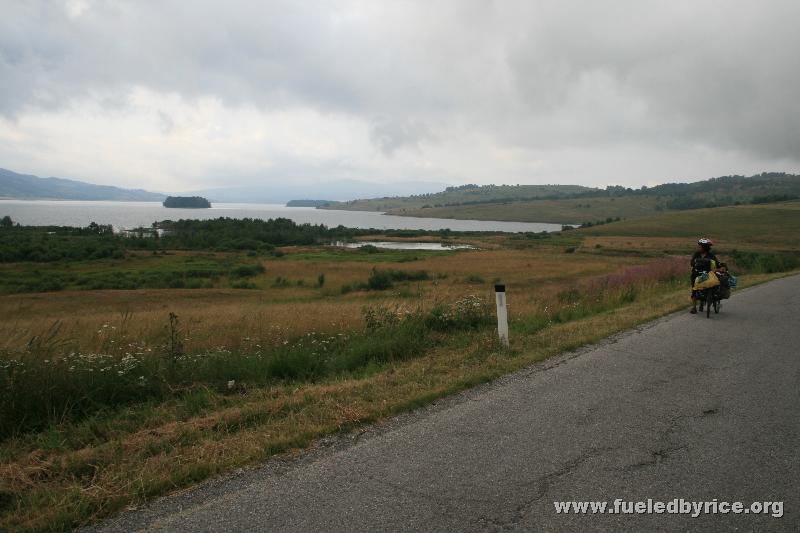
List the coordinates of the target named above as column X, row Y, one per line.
column 700, row 262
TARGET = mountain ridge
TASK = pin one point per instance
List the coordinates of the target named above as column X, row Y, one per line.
column 29, row 187
column 14, row 185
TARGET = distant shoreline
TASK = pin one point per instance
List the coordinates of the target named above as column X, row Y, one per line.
column 136, row 214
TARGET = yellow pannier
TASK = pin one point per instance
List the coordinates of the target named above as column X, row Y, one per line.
column 711, row 281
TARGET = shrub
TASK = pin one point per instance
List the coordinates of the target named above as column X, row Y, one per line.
column 244, row 271
column 243, row 284
column 765, row 262
column 379, row 280
column 378, row 317
column 628, row 294
column 470, row 312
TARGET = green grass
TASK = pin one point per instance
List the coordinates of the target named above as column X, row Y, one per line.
column 384, row 279
column 149, row 271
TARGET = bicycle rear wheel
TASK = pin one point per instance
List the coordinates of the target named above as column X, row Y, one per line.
column 709, row 302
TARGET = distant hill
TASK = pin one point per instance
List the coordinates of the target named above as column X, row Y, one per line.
column 466, row 195
column 583, row 205
column 27, row 187
column 282, row 191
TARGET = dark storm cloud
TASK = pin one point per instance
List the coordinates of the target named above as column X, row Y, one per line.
column 535, row 75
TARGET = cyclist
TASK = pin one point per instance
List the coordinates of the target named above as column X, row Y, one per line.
column 701, row 262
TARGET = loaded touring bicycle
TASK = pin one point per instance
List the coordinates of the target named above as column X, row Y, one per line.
column 712, row 285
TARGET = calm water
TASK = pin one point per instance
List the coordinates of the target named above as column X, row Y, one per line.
column 397, row 245
column 135, row 214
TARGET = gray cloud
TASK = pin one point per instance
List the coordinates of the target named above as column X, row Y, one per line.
column 392, row 135
column 544, row 77
column 165, row 123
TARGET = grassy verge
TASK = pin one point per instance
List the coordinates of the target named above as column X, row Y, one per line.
column 49, row 381
column 115, row 457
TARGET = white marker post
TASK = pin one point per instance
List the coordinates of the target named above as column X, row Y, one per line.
column 502, row 313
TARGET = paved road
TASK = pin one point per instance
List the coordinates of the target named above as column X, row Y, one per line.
column 683, row 407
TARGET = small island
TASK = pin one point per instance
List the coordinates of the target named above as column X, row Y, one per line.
column 187, row 202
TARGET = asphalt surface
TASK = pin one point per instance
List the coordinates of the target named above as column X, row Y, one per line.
column 683, row 407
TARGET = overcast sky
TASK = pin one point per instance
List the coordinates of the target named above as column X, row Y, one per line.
column 179, row 95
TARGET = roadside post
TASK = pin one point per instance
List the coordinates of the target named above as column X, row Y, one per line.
column 502, row 313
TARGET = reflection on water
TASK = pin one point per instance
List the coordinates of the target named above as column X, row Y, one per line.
column 389, row 245
column 126, row 215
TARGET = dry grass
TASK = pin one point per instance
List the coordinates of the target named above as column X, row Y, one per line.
column 224, row 317
column 610, row 244
column 211, row 318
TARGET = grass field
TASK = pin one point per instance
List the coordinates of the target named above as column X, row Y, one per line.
column 465, row 194
column 137, row 404
column 772, row 226
column 567, row 211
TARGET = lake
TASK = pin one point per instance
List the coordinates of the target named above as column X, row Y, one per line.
column 126, row 215
column 404, row 245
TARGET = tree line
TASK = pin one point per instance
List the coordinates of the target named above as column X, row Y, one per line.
column 98, row 241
